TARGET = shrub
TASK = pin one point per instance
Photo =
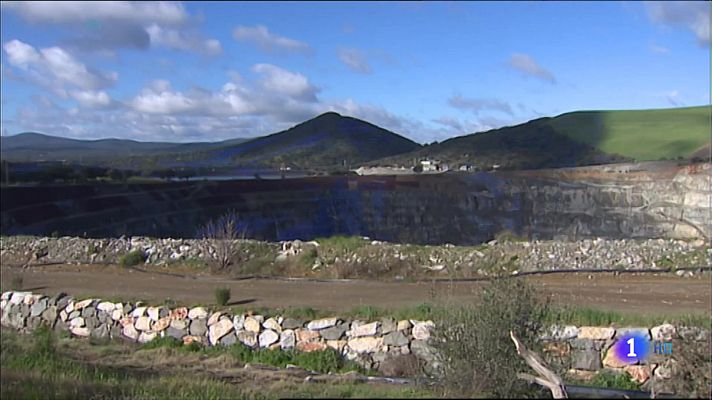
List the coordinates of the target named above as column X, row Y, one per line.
column 473, row 340
column 132, row 258
column 691, row 370
column 222, row 296
column 222, row 234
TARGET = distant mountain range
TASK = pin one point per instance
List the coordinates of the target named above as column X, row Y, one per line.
column 335, row 141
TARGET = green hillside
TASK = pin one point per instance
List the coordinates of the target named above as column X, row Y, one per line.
column 639, row 134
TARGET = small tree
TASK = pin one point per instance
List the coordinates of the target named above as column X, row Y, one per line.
column 223, row 234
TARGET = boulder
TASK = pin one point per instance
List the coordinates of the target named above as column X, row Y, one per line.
column 268, row 337
column 366, row 344
column 638, row 373
column 337, row 345
column 248, row 338
column 176, row 333
column 82, row 304
column 364, row 330
column 198, row 327
column 161, row 324
column 388, row 325
column 311, row 346
column 664, row 332
column 88, row 312
column 272, row 324
column 105, row 306
column 138, row 312
column 252, row 325
column 80, row 331
column 197, row 313
column 560, row 333
column 290, row 323
column 76, row 322
column 423, row 330
column 218, row 330
column 323, row 323
column 145, row 337
column 143, row 324
column 305, row 335
column 238, row 322
column 179, row 313
column 396, row 338
column 117, row 314
column 214, row 317
column 180, row 324
column 586, row 359
column 153, row 313
column 229, row 339
column 596, row 333
column 287, row 339
column 38, row 308
column 335, row 332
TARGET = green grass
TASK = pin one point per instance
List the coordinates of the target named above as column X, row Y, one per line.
column 582, row 316
column 342, row 243
column 610, row 380
column 222, row 296
column 132, row 258
column 640, row 134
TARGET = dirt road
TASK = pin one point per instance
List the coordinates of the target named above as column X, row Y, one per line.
column 644, row 293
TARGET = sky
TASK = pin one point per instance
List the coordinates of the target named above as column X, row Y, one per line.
column 209, row 71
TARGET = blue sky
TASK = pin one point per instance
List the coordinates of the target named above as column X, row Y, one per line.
column 200, row 71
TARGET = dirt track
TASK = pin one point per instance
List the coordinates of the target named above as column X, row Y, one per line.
column 645, row 293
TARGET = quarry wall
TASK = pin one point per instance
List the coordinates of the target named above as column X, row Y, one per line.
column 581, row 351
column 461, row 209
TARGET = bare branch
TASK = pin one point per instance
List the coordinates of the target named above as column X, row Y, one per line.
column 547, row 377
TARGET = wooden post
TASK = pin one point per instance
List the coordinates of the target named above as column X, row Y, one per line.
column 546, row 377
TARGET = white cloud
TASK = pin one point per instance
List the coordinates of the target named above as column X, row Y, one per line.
column 55, row 69
column 267, row 41
column 673, row 97
column 292, row 84
column 529, row 67
column 478, row 105
column 67, row 12
column 659, row 49
column 355, row 60
column 159, row 99
column 177, row 39
column 91, row 98
column 691, row 15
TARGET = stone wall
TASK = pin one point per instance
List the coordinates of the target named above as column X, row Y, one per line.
column 583, row 351
column 461, row 209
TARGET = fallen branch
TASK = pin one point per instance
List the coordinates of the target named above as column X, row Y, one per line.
column 547, row 378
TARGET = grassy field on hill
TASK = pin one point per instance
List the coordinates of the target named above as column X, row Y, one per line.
column 640, row 134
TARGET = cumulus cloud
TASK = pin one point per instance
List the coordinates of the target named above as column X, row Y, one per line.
column 106, row 26
column 91, row 98
column 355, row 59
column 529, row 67
column 478, row 105
column 691, row 15
column 293, row 84
column 260, row 36
column 55, row 68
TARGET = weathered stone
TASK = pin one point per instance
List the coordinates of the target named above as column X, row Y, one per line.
column 145, row 337
column 305, row 335
column 88, row 312
column 197, row 313
column 74, row 314
column 596, row 333
column 198, row 327
column 38, row 308
column 139, row 312
column 130, row 332
column 163, row 312
column 176, row 333
column 128, row 308
column 33, row 323
column 638, row 373
column 272, row 324
column 82, row 304
column 388, row 325
column 76, row 322
column 268, row 337
column 179, row 313
column 117, row 314
column 238, row 322
column 560, row 333
column 424, row 351
column 91, row 322
column 105, row 306
column 335, row 332
column 218, row 330
column 366, row 344
column 396, row 338
column 143, row 324
column 252, row 325
column 229, row 339
column 153, row 313
column 611, row 361
column 586, row 359
column 161, row 324
column 61, row 300
column 103, row 317
column 248, row 338
column 180, row 324
column 214, row 317
column 18, row 297
column 311, row 346
column 323, row 323
column 422, row 330
column 287, row 339
column 337, row 345
column 50, row 314
column 290, row 323
column 80, row 331
column 115, row 331
column 664, row 370
column 586, row 344
column 664, row 332
column 101, row 331
column 363, row 330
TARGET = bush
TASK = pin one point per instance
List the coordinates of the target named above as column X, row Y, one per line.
column 222, row 234
column 132, row 258
column 222, row 296
column 478, row 354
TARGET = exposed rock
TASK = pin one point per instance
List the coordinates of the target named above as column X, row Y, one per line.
column 596, row 333
column 161, row 324
column 153, row 313
column 180, row 324
column 179, row 313
column 80, row 331
column 238, row 322
column 559, row 349
column 252, row 325
column 76, row 322
column 176, row 333
column 272, row 324
column 638, row 373
column 101, row 331
column 560, row 333
column 335, row 332
column 197, row 312
column 364, row 330
column 117, row 314
column 268, row 337
column 388, row 325
column 138, row 312
column 396, row 338
column 219, row 329
column 287, row 339
column 105, row 306
column 611, row 361
column 192, row 339
column 88, row 312
column 145, row 337
column 198, row 327
column 130, row 332
column 38, row 308
column 214, row 317
column 366, row 344
column 248, row 338
column 305, row 335
column 422, row 330
column 311, row 346
column 337, row 345
column 82, row 304
column 290, row 323
column 143, row 324
column 322, row 323
column 586, row 359
column 229, row 339
column 403, row 325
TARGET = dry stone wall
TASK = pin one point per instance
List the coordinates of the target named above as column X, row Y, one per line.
column 581, row 350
